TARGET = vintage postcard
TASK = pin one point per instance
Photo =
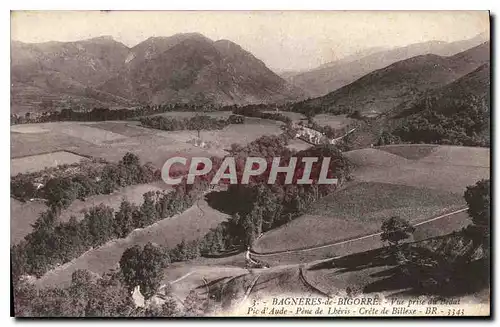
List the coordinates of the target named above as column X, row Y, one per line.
column 250, row 164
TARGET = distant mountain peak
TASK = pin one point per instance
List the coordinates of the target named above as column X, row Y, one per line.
column 332, row 76
column 182, row 68
column 101, row 38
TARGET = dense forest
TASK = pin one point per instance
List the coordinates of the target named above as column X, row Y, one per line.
column 461, row 121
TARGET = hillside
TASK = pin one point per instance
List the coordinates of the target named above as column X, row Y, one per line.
column 184, row 68
column 332, row 76
column 193, row 68
column 63, row 74
column 387, row 88
column 476, row 84
column 457, row 113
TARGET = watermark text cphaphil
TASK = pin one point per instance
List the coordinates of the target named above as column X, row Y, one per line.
column 304, row 170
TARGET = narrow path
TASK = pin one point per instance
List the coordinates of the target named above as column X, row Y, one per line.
column 249, row 290
column 182, row 277
column 350, row 240
column 313, row 288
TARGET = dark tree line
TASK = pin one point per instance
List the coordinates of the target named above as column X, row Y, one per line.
column 197, row 123
column 103, row 114
column 257, row 112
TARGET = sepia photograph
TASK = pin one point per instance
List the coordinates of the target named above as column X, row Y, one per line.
column 288, row 164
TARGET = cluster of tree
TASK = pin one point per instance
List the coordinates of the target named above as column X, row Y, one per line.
column 257, row 112
column 460, row 260
column 61, row 191
column 88, row 295
column 466, row 124
column 54, row 242
column 257, row 207
column 196, row 123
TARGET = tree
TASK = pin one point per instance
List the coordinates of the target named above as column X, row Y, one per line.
column 130, row 159
column 147, row 212
column 130, row 263
column 99, row 222
column 396, row 229
column 478, row 199
column 60, row 193
column 143, row 267
column 124, row 218
column 81, row 289
column 154, row 261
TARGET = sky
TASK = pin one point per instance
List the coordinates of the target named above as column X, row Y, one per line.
column 283, row 40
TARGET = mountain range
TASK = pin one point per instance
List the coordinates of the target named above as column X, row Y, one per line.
column 191, row 68
column 385, row 89
column 332, row 76
column 103, row 72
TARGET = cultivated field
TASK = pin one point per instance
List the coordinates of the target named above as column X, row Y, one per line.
column 27, row 129
column 432, row 228
column 447, row 168
column 410, row 151
column 375, row 271
column 186, row 278
column 335, row 121
column 132, row 193
column 112, row 140
column 119, row 127
column 358, row 209
column 22, row 215
column 385, row 184
column 38, row 162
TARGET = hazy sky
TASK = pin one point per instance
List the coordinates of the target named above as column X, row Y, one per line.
column 290, row 40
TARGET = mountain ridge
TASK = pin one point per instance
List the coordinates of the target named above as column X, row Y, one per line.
column 386, row 88
column 332, row 76
column 182, row 68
